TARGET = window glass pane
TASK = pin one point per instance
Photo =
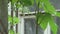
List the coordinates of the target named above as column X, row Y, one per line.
column 40, row 31
column 30, row 26
column 58, row 23
column 55, row 3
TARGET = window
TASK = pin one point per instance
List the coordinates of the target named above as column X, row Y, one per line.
column 28, row 26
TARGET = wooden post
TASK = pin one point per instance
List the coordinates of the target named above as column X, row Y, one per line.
column 3, row 16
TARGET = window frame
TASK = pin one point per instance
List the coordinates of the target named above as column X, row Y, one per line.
column 21, row 25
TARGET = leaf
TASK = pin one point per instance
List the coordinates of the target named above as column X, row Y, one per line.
column 17, row 33
column 57, row 14
column 26, row 2
column 26, row 10
column 43, row 24
column 11, row 32
column 32, row 1
column 15, row 20
column 48, row 7
column 9, row 18
column 37, row 1
column 40, row 17
column 41, row 4
column 13, row 1
column 44, row 21
column 48, row 19
column 54, row 28
column 18, row 5
column 53, row 25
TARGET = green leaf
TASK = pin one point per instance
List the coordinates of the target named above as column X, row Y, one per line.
column 44, row 20
column 15, row 20
column 37, row 1
column 41, row 4
column 57, row 14
column 26, row 10
column 48, row 19
column 32, row 1
column 18, row 5
column 48, row 7
column 9, row 18
column 26, row 2
column 53, row 25
column 11, row 32
column 13, row 1
column 54, row 28
column 17, row 33
column 40, row 17
column 44, row 24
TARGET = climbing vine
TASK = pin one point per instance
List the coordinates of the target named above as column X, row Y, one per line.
column 42, row 18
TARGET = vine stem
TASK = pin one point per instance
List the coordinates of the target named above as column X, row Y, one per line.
column 16, row 16
column 37, row 18
column 12, row 15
